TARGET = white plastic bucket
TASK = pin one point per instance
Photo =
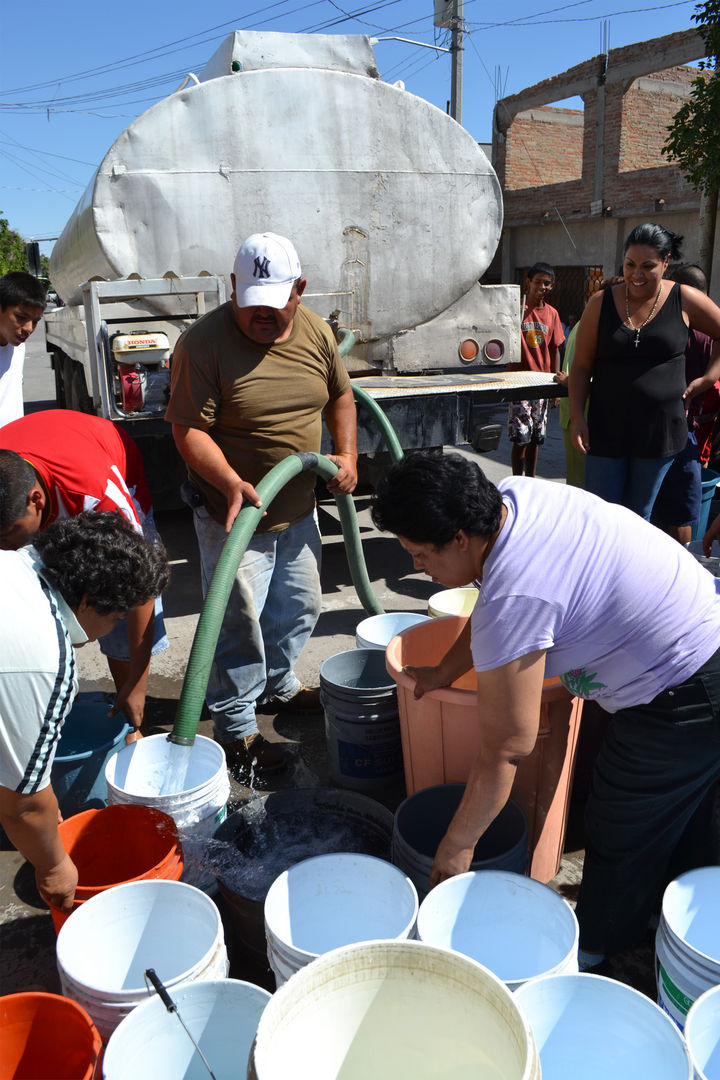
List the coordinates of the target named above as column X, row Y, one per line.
column 702, row 1034
column 589, row 1027
column 516, row 927
column 328, row 901
column 105, row 947
column 452, row 602
column 376, row 631
column 392, row 1009
column 222, row 1017
column 139, row 772
column 687, row 945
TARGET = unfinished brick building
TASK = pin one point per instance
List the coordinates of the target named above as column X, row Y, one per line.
column 575, row 181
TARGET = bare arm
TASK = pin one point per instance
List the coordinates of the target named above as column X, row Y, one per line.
column 31, row 823
column 457, row 660
column 341, row 419
column 133, row 676
column 200, row 451
column 581, row 371
column 704, row 315
column 509, row 697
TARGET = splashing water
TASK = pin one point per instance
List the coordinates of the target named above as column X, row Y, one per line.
column 267, row 844
column 174, row 778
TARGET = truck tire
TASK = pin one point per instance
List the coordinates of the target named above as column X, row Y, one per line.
column 57, row 366
column 80, row 400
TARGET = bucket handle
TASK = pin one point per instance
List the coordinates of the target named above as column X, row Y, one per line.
column 152, row 976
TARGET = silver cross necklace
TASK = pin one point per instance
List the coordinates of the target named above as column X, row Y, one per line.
column 637, row 329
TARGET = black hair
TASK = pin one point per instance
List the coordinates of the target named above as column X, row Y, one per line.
column 689, row 274
column 666, row 243
column 426, row 497
column 98, row 557
column 540, row 268
column 17, row 477
column 17, row 287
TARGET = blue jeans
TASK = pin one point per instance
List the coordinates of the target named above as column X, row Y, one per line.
column 274, row 604
column 627, row 481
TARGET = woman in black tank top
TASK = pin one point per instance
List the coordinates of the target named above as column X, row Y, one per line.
column 631, row 342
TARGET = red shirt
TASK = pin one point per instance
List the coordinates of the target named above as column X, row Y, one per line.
column 541, row 333
column 85, row 462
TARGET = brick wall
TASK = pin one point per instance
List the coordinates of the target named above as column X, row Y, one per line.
column 544, row 146
column 548, row 163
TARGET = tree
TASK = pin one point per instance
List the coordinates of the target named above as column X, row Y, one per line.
column 12, row 249
column 692, row 139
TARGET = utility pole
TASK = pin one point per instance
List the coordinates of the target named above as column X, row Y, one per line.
column 456, row 51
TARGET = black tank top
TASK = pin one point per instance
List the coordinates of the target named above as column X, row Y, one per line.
column 636, row 406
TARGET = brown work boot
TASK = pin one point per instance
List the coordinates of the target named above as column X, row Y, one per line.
column 254, row 755
column 307, row 700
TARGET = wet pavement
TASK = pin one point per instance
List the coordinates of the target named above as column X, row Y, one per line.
column 27, row 938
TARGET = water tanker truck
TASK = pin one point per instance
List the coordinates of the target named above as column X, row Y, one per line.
column 394, row 208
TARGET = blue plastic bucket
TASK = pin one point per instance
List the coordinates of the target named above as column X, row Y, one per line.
column 88, row 739
column 422, row 820
column 710, row 480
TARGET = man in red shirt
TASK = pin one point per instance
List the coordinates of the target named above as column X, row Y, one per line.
column 56, row 464
column 540, row 340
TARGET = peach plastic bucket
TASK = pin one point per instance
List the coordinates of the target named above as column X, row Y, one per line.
column 441, row 734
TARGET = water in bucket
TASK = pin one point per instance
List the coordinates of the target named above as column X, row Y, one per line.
column 254, row 846
column 392, row 1010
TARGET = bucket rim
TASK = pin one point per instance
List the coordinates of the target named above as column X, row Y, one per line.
column 219, row 777
column 282, row 947
column 302, row 982
column 96, row 751
column 665, row 923
column 372, row 655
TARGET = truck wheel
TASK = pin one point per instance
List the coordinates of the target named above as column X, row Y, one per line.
column 57, row 366
column 79, row 397
column 66, row 369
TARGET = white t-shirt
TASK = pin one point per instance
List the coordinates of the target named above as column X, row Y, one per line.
column 623, row 611
column 38, row 679
column 12, row 359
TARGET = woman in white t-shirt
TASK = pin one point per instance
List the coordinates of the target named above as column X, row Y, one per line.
column 585, row 590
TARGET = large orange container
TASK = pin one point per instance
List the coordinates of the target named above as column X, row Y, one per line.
column 119, row 843
column 442, row 733
column 47, row 1037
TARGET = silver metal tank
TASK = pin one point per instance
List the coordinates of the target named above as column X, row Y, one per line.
column 393, row 207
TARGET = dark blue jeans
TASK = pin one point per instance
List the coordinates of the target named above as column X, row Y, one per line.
column 651, row 811
column 627, row 481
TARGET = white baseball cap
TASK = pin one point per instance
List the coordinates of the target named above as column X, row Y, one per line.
column 266, row 266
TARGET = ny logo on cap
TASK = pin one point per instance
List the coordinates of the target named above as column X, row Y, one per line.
column 261, row 267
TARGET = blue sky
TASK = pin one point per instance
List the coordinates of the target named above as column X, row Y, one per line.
column 70, row 82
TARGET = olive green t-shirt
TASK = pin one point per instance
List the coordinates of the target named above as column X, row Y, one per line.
column 260, row 403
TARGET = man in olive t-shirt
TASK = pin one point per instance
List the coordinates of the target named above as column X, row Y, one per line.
column 251, row 381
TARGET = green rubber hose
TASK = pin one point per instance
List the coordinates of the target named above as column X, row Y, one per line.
column 388, row 431
column 192, row 696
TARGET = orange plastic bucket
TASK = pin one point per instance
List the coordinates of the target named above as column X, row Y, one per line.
column 47, row 1037
column 115, row 844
